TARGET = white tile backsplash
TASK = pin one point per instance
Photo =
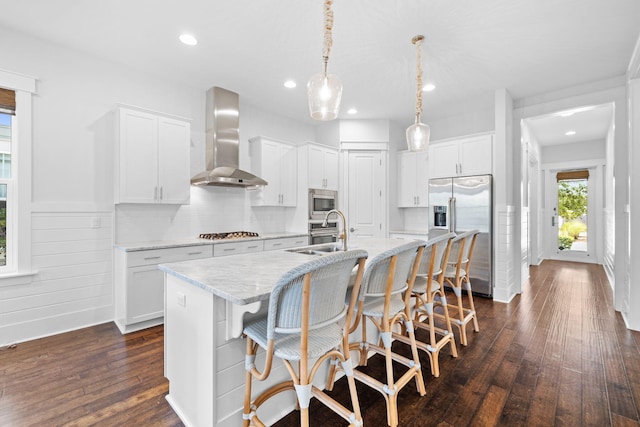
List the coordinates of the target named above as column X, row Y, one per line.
column 212, row 209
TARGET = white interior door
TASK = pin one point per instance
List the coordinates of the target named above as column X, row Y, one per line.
column 366, row 195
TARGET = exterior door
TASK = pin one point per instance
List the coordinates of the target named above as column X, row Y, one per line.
column 366, row 210
column 573, row 217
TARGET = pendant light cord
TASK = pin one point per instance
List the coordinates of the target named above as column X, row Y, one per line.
column 417, row 40
column 328, row 26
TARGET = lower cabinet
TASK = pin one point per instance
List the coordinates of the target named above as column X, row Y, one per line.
column 139, row 284
column 285, row 242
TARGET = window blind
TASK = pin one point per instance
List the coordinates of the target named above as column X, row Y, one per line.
column 7, row 101
column 572, row 175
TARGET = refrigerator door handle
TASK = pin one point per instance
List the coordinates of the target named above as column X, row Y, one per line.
column 452, row 214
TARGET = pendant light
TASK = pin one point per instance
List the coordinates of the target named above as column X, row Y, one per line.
column 324, row 89
column 418, row 133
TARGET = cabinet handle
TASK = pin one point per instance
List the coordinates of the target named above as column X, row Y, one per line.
column 277, row 244
column 229, row 249
column 155, row 193
column 417, row 200
column 194, row 253
column 161, row 193
column 252, row 247
column 151, row 257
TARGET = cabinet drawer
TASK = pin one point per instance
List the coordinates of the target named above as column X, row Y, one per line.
column 234, row 248
column 160, row 256
column 285, row 242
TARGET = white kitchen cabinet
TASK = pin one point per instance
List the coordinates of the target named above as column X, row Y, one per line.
column 152, row 158
column 285, row 242
column 413, row 179
column 461, row 157
column 322, row 166
column 139, row 284
column 277, row 163
column 237, row 247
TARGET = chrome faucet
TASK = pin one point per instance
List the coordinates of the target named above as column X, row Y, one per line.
column 343, row 234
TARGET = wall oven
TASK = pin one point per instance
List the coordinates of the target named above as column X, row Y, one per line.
column 319, row 234
column 321, row 202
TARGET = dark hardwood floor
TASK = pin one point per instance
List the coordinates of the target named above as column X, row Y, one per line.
column 556, row 355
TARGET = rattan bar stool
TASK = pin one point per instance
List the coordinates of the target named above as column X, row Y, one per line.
column 307, row 319
column 457, row 276
column 430, row 309
column 384, row 302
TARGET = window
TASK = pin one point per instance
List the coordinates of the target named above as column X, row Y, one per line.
column 7, row 110
column 16, row 91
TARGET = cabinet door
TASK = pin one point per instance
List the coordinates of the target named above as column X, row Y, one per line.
column 476, row 156
column 288, row 166
column 331, row 169
column 138, row 157
column 173, row 161
column 406, row 181
column 422, row 178
column 315, row 163
column 145, row 293
column 270, row 171
column 443, row 159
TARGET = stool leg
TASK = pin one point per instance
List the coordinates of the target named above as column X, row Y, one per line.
column 247, row 387
column 472, row 306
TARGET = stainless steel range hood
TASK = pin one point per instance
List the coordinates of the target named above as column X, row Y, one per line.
column 222, row 143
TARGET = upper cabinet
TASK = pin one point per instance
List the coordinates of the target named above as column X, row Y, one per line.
column 277, row 163
column 461, row 157
column 152, row 158
column 322, row 165
column 413, row 182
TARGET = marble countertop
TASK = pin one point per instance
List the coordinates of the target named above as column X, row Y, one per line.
column 195, row 241
column 246, row 278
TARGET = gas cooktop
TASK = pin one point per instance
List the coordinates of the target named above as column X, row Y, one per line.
column 231, row 235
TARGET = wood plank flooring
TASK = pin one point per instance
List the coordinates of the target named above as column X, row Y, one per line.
column 556, row 355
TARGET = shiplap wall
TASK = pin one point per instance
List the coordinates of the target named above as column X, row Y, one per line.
column 72, row 253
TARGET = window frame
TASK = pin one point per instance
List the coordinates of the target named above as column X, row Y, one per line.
column 18, row 269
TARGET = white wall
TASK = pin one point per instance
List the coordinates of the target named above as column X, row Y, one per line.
column 586, row 150
column 73, row 137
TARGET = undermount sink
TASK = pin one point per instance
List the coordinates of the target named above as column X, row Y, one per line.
column 316, row 249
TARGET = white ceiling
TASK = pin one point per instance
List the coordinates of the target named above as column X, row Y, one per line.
column 590, row 123
column 471, row 47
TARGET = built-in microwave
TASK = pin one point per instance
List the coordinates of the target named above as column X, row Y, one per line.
column 321, row 202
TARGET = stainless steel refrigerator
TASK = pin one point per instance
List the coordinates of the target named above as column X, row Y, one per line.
column 462, row 204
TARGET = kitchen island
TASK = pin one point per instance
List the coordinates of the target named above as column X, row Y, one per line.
column 206, row 301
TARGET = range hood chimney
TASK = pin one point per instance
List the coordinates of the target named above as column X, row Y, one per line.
column 222, row 143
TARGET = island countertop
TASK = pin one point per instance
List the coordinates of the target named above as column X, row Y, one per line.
column 247, row 278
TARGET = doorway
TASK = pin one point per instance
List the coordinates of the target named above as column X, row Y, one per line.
column 572, row 219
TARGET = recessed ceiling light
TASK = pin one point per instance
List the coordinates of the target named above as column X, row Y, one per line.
column 290, row 84
column 428, row 87
column 188, row 39
column 352, row 111
column 571, row 132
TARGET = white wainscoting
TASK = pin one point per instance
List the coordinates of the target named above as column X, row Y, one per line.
column 73, row 287
column 609, row 245
column 505, row 287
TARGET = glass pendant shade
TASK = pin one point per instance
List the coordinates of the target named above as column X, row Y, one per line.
column 418, row 136
column 324, row 92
